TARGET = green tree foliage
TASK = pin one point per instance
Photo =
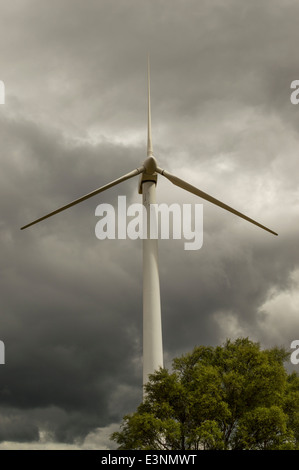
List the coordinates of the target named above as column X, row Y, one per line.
column 234, row 396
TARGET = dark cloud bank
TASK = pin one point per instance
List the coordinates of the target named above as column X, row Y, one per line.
column 74, row 119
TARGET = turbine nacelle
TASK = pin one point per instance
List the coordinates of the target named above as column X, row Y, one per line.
column 150, row 172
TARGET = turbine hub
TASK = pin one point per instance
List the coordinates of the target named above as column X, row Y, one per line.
column 150, row 165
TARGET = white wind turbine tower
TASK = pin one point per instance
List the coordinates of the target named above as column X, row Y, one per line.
column 148, row 171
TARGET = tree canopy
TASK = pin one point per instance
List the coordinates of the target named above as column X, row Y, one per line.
column 234, row 396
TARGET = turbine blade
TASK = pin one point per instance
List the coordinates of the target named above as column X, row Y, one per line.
column 192, row 189
column 149, row 118
column 87, row 196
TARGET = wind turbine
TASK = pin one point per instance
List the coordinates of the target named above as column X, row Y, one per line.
column 148, row 171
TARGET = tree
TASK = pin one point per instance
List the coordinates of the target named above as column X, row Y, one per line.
column 234, row 396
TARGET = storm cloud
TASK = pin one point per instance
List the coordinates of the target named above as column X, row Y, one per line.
column 74, row 118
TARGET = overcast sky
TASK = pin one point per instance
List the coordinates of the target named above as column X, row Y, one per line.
column 75, row 118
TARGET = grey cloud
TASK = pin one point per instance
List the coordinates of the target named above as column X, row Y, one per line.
column 17, row 428
column 75, row 119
